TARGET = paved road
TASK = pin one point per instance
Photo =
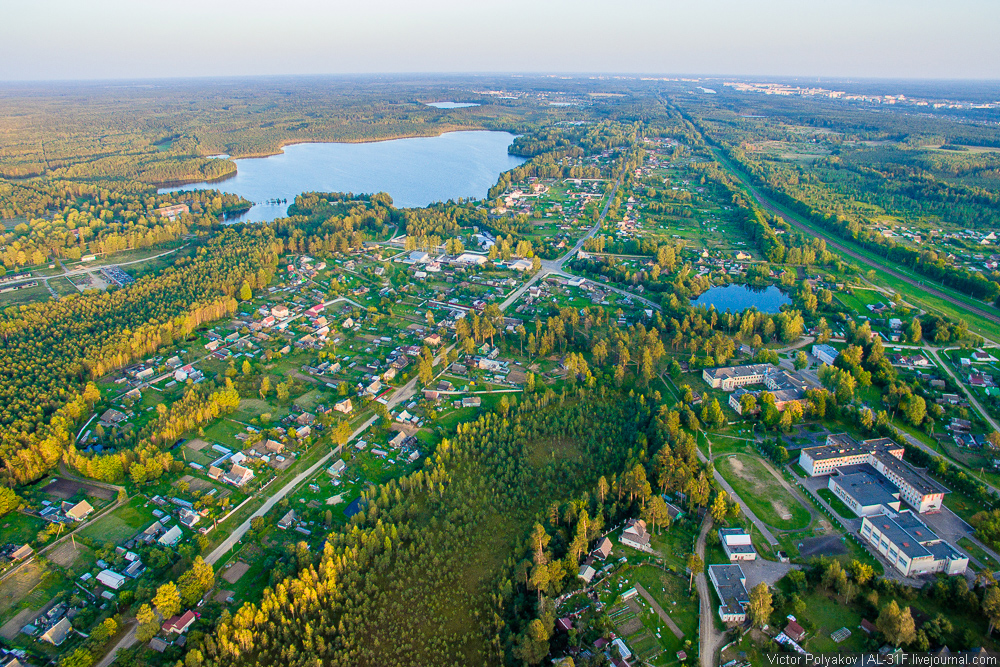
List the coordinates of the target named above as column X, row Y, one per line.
column 556, row 265
column 772, row 207
column 709, row 638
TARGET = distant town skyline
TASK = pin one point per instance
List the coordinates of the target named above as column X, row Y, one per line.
column 107, row 39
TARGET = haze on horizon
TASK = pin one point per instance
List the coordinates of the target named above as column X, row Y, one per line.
column 108, row 39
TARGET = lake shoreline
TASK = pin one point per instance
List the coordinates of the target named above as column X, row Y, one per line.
column 296, row 142
column 459, row 156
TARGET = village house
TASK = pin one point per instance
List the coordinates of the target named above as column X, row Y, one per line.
column 179, row 624
column 238, row 475
column 80, row 511
column 635, row 535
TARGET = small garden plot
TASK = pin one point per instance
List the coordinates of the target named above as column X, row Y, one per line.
column 65, row 489
column 69, row 554
column 235, row 572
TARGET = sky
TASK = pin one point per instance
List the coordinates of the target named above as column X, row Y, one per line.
column 128, row 39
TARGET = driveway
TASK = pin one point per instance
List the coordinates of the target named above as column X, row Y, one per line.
column 768, row 571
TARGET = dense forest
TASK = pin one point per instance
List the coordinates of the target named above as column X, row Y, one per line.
column 52, row 350
column 456, row 563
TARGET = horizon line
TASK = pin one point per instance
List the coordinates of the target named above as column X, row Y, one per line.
column 589, row 75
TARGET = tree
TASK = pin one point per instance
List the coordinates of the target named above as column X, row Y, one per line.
column 245, row 292
column 991, row 607
column 533, row 645
column 695, row 565
column 916, row 410
column 760, row 606
column 167, row 600
column 282, row 392
column 914, row 332
column 862, row 572
column 994, row 439
column 801, row 361
column 719, row 508
column 194, row 583
column 265, row 387
column 602, row 488
column 657, row 513
column 896, row 624
column 149, row 625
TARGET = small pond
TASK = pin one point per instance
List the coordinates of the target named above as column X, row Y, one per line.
column 737, row 298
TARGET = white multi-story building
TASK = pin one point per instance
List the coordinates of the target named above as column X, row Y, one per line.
column 728, row 378
column 825, row 353
column 912, row 547
column 883, row 456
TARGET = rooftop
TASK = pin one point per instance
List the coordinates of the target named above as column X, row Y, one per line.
column 729, row 584
column 866, row 488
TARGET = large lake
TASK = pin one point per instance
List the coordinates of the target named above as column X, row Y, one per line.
column 415, row 172
column 737, row 298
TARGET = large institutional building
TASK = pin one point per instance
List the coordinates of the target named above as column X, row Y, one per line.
column 881, row 460
column 873, row 480
column 786, row 387
column 912, row 547
column 730, row 585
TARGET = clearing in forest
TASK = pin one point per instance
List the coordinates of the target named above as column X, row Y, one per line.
column 548, row 450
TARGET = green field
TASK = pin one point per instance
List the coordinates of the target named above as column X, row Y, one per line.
column 762, row 493
column 17, row 528
column 120, row 524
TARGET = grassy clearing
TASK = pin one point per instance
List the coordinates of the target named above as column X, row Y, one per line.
column 976, row 552
column 762, row 493
column 30, row 588
column 17, row 528
column 120, row 524
column 544, row 450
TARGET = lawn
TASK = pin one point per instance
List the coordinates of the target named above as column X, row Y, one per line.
column 976, row 552
column 836, row 503
column 828, row 615
column 120, row 524
column 762, row 493
column 17, row 528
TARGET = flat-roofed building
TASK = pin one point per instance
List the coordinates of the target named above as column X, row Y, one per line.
column 910, row 546
column 885, row 457
column 864, row 493
column 825, row 353
column 737, row 545
column 730, row 585
column 171, row 212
